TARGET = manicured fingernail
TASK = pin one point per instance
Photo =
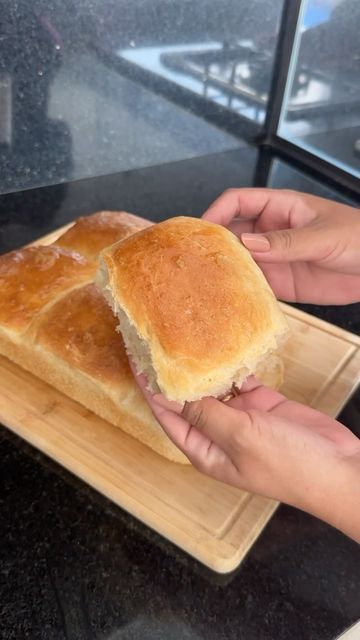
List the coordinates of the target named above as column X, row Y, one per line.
column 255, row 242
column 167, row 404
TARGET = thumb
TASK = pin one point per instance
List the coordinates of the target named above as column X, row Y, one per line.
column 223, row 425
column 290, row 245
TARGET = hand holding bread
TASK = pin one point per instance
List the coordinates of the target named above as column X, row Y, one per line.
column 307, row 247
column 195, row 311
column 258, row 440
column 198, row 317
column 266, row 444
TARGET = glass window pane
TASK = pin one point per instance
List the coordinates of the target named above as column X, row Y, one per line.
column 222, row 51
column 283, row 175
column 322, row 108
column 72, row 102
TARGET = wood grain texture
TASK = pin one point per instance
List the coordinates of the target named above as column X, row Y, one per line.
column 212, row 522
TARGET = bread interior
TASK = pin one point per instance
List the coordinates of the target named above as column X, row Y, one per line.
column 136, row 347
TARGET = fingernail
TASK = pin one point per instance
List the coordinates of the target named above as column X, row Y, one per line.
column 167, row 404
column 255, row 242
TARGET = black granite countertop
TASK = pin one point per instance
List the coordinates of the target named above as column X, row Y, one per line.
column 73, row 566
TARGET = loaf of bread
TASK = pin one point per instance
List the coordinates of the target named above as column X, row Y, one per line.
column 55, row 323
column 196, row 313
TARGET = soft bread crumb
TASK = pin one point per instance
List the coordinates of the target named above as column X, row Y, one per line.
column 137, row 349
column 135, row 346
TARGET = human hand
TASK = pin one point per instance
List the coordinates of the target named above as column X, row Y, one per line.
column 308, row 247
column 263, row 443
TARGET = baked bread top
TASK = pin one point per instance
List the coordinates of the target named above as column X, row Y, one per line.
column 195, row 310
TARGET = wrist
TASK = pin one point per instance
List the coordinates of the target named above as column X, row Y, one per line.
column 337, row 499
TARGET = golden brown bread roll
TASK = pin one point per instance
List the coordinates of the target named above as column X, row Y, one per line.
column 90, row 234
column 31, row 278
column 195, row 311
column 83, row 355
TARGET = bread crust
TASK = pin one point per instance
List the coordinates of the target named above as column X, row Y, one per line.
column 91, row 234
column 198, row 301
column 31, row 278
column 57, row 325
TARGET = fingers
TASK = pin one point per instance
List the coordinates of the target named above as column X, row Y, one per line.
column 229, row 206
column 192, row 443
column 275, row 405
column 196, row 425
column 200, row 423
column 218, row 421
column 252, row 382
column 256, row 396
column 290, row 230
column 176, row 427
column 251, row 203
column 201, row 450
column 240, row 225
column 170, row 405
column 290, row 245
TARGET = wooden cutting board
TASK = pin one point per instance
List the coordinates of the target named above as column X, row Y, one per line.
column 212, row 522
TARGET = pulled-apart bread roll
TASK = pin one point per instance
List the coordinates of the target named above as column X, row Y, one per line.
column 196, row 313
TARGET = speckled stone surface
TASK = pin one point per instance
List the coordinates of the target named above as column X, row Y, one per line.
column 75, row 567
